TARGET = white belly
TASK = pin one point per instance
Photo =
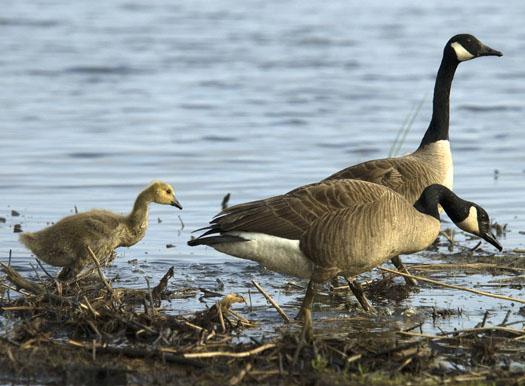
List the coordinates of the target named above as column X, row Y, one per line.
column 275, row 253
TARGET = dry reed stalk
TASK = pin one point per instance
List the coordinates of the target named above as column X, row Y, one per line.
column 99, row 270
column 213, row 354
column 477, row 292
column 272, row 302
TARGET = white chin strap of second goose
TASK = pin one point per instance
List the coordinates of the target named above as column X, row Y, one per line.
column 461, row 52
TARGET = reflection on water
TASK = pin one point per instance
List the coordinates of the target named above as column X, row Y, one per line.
column 252, row 98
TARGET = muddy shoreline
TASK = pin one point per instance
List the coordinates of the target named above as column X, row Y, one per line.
column 94, row 331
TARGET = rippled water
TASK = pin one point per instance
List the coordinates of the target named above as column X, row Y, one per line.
column 248, row 97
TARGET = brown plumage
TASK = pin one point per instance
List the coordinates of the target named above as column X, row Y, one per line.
column 289, row 215
column 408, row 175
column 343, row 226
column 338, row 227
column 65, row 243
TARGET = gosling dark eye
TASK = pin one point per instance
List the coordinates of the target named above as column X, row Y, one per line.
column 168, row 191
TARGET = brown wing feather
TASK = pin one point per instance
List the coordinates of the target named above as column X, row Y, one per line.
column 289, row 215
column 406, row 175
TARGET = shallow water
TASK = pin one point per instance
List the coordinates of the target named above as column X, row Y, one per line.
column 248, row 97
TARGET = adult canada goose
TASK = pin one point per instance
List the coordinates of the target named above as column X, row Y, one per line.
column 431, row 163
column 338, row 227
column 65, row 243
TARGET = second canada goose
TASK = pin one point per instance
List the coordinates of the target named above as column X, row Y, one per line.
column 65, row 243
column 338, row 227
column 431, row 163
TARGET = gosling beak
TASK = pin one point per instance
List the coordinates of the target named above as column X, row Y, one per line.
column 487, row 51
column 489, row 237
column 176, row 203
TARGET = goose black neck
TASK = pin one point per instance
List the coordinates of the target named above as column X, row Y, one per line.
column 438, row 127
column 435, row 195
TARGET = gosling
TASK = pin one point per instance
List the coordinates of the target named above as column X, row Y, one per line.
column 65, row 244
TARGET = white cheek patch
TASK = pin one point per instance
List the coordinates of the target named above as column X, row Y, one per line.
column 461, row 52
column 470, row 224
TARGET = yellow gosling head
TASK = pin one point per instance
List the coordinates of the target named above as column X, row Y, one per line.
column 163, row 193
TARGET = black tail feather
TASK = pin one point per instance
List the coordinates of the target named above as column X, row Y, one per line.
column 215, row 240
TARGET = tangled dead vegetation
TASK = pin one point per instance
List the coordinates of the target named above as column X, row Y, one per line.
column 89, row 331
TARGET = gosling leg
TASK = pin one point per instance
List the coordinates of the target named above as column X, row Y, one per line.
column 357, row 290
column 65, row 274
column 70, row 272
column 401, row 268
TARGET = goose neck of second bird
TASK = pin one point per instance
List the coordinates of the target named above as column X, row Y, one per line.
column 138, row 217
column 439, row 124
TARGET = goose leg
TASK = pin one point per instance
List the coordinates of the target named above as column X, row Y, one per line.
column 307, row 300
column 306, row 312
column 401, row 268
column 357, row 290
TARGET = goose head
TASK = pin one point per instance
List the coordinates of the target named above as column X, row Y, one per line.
column 466, row 47
column 163, row 193
column 467, row 215
column 474, row 219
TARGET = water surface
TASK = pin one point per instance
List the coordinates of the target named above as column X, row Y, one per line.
column 248, row 97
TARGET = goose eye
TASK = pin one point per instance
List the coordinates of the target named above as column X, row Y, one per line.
column 168, row 191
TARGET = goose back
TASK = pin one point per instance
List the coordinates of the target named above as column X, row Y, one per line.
column 407, row 175
column 290, row 215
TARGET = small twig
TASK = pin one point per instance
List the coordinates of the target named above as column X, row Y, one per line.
column 150, row 296
column 99, row 270
column 483, row 293
column 213, row 354
column 194, row 326
column 505, row 319
column 163, row 283
column 485, row 329
column 354, row 358
column 90, row 307
column 484, row 319
column 9, row 265
column 45, row 270
column 236, row 379
column 417, row 334
column 35, row 271
column 14, row 277
column 272, row 302
column 221, row 318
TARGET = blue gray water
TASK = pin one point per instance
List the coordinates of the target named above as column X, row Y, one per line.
column 247, row 97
